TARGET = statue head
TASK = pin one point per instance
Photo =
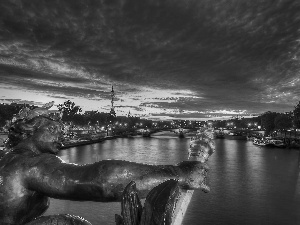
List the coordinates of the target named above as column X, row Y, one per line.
column 37, row 128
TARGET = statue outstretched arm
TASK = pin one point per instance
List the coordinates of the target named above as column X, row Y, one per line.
column 104, row 180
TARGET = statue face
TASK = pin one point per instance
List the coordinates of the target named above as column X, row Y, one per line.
column 48, row 137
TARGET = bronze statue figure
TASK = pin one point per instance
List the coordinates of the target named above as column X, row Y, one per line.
column 30, row 173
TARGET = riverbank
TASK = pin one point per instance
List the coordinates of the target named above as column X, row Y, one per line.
column 70, row 143
column 75, row 143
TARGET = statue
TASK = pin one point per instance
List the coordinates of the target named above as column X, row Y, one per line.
column 158, row 207
column 30, row 173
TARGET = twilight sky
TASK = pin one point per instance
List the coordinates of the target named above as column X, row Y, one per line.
column 165, row 58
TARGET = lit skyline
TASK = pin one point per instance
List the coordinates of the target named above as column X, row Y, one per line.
column 180, row 59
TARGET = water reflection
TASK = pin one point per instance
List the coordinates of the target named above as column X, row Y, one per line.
column 249, row 184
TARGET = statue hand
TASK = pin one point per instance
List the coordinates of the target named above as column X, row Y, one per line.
column 202, row 146
column 193, row 175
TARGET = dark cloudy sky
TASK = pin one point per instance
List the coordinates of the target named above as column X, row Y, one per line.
column 170, row 58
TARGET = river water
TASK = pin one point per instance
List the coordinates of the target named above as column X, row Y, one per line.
column 249, row 184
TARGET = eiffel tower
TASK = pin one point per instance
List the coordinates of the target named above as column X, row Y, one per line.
column 129, row 114
column 112, row 108
column 111, row 115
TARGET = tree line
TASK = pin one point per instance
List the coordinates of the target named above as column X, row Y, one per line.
column 269, row 121
column 272, row 121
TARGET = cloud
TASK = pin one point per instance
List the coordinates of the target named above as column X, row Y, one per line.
column 230, row 55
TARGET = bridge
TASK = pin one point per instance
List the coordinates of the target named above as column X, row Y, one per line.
column 181, row 132
column 146, row 132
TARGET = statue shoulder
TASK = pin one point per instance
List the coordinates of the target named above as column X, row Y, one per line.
column 45, row 160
